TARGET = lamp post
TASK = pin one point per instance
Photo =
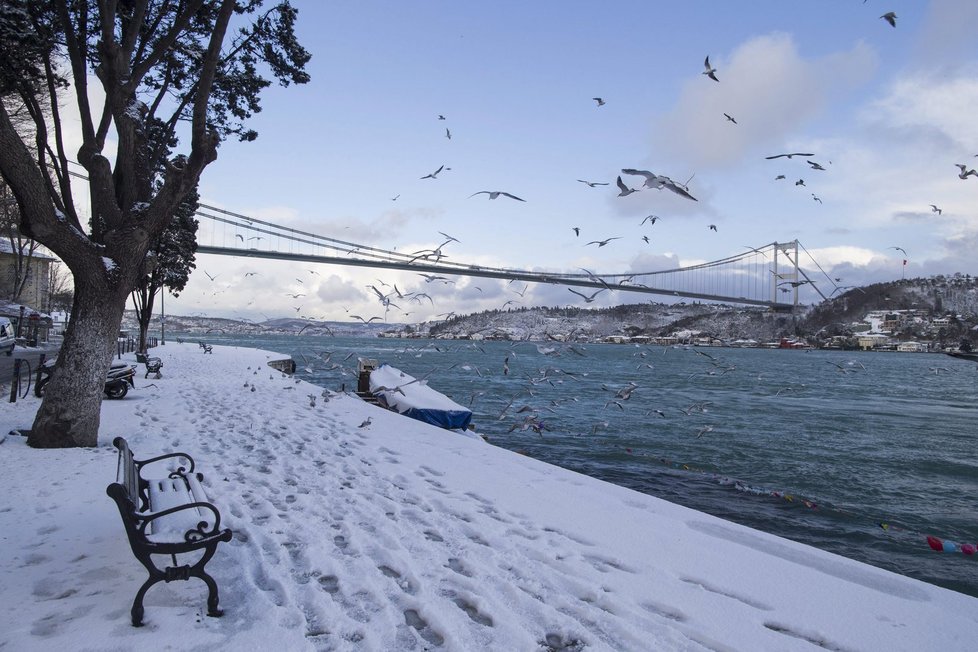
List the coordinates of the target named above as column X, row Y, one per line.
column 163, row 317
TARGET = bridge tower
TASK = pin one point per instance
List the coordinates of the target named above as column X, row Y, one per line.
column 786, row 273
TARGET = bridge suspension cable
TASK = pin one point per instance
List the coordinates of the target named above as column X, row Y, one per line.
column 751, row 277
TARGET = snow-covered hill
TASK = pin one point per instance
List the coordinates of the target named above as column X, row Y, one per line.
column 950, row 300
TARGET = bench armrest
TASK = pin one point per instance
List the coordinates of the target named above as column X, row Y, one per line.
column 179, row 471
column 193, row 534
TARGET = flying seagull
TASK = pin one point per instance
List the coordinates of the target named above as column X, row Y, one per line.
column 598, row 100
column 596, row 279
column 800, row 182
column 577, row 230
column 729, row 117
column 653, row 180
column 625, row 190
column 713, row 227
column 495, row 193
column 900, row 249
column 709, row 71
column 815, row 166
column 815, row 197
column 788, row 155
column 441, row 117
column 602, row 243
column 651, row 218
column 587, row 299
column 890, row 17
column 965, row 172
column 365, row 321
column 592, row 184
column 793, row 284
column 448, row 134
column 433, row 175
column 935, row 209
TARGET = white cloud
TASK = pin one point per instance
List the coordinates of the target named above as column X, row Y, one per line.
column 948, row 28
column 767, row 87
column 931, row 109
column 844, row 254
column 336, row 290
column 654, row 262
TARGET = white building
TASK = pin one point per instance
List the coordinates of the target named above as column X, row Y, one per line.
column 912, row 347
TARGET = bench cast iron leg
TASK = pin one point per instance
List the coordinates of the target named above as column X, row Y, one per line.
column 197, row 570
column 137, row 604
column 212, row 596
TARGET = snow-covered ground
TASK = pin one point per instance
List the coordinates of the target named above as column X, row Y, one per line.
column 359, row 529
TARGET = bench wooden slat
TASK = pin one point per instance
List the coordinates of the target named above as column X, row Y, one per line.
column 167, row 493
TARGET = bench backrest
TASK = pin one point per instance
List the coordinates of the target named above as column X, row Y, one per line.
column 126, row 494
column 127, row 475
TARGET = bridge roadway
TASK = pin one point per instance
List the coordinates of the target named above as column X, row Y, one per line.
column 485, row 272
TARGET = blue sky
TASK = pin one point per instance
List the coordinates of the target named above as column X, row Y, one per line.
column 887, row 111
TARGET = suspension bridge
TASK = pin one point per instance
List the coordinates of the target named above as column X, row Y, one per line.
column 769, row 275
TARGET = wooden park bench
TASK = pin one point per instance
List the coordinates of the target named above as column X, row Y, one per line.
column 153, row 365
column 168, row 516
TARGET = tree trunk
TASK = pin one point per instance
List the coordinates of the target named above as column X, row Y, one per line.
column 144, row 312
column 69, row 414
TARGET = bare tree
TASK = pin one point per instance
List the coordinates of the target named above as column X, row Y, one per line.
column 156, row 63
column 61, row 293
column 22, row 248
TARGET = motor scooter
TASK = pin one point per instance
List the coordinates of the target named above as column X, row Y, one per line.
column 118, row 380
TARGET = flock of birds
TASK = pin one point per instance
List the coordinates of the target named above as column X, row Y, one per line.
column 651, row 180
column 543, row 394
column 393, row 298
column 526, row 409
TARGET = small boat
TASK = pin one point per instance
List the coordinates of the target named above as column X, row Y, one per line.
column 963, row 355
column 395, row 390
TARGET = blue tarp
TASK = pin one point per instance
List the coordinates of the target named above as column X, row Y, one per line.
column 449, row 419
column 413, row 398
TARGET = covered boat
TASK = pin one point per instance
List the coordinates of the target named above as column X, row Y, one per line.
column 411, row 397
column 965, row 351
column 963, row 355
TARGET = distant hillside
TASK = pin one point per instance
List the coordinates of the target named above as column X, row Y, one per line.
column 952, row 297
column 651, row 319
column 282, row 326
column 950, row 302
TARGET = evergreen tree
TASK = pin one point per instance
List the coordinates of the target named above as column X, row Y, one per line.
column 174, row 252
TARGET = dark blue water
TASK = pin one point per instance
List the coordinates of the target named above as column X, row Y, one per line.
column 860, row 454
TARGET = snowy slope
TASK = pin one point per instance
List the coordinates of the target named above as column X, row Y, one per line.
column 359, row 529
